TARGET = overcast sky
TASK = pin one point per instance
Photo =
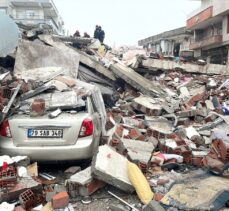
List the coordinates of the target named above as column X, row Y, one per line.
column 125, row 21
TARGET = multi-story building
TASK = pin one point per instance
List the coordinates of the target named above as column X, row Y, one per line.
column 170, row 43
column 210, row 27
column 33, row 12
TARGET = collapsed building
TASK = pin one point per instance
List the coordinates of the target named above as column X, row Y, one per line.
column 165, row 128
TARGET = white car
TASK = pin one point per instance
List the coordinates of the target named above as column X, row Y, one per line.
column 70, row 136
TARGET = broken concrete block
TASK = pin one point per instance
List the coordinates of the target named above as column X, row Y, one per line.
column 184, row 93
column 187, row 113
column 137, row 151
column 191, row 132
column 209, row 105
column 147, row 105
column 60, row 200
column 111, row 167
column 83, row 184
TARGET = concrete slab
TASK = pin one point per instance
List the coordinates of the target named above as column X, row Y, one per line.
column 137, row 151
column 137, row 81
column 209, row 69
column 147, row 105
column 111, row 167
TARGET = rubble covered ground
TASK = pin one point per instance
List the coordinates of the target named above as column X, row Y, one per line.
column 169, row 118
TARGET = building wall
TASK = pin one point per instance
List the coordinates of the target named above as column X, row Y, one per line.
column 33, row 15
column 206, row 3
column 225, row 32
column 220, row 6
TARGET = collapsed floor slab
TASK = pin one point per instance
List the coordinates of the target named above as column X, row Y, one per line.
column 209, row 69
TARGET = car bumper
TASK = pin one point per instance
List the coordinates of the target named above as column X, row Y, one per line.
column 83, row 149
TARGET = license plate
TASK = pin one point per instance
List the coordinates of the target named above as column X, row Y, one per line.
column 34, row 133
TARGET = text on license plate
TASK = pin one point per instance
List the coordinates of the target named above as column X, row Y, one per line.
column 34, row 133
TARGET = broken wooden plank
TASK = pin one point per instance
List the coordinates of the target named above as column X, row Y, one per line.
column 210, row 69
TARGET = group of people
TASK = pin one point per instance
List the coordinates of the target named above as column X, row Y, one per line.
column 98, row 34
column 77, row 34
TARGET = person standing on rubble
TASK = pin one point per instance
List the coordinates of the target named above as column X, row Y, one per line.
column 86, row 35
column 101, row 34
column 77, row 34
column 96, row 32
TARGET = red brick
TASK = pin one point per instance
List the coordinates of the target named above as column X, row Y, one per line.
column 158, row 196
column 136, row 135
column 162, row 182
column 38, row 107
column 119, row 131
column 193, row 100
column 93, row 186
column 60, row 200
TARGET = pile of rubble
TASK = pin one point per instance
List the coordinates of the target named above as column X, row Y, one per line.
column 167, row 118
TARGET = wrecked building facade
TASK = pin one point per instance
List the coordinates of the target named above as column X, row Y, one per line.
column 164, row 142
column 210, row 27
column 170, row 43
column 41, row 12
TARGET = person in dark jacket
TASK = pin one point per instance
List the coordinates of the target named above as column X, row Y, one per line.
column 96, row 32
column 101, row 34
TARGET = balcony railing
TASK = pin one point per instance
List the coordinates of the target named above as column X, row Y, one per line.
column 213, row 40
